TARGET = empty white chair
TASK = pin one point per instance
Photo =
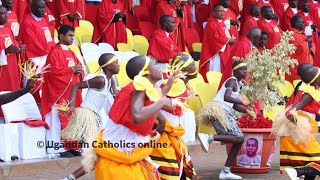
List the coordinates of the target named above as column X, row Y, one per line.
column 32, row 140
column 121, row 56
column 22, row 108
column 105, row 48
column 10, row 141
column 130, row 54
column 90, row 52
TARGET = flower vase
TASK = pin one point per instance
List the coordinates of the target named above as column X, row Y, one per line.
column 256, row 152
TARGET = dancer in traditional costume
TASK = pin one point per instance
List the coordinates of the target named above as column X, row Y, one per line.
column 296, row 126
column 219, row 113
column 174, row 160
column 123, row 147
column 86, row 119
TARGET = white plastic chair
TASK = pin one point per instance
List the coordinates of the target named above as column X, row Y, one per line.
column 22, row 108
column 121, row 56
column 105, row 48
column 90, row 52
column 130, row 54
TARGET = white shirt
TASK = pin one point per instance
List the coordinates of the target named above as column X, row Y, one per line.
column 95, row 99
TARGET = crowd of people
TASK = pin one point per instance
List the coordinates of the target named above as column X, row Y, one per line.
column 153, row 106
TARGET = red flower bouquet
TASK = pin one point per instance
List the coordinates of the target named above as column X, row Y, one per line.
column 259, row 122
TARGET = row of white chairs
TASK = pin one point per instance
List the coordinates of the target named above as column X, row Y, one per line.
column 92, row 52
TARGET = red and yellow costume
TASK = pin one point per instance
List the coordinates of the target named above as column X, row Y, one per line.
column 298, row 146
column 174, row 160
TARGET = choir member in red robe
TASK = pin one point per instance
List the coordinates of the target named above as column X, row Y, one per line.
column 200, row 13
column 280, row 6
column 263, row 41
column 12, row 22
column 291, row 11
column 65, row 72
column 162, row 48
column 19, row 7
column 229, row 15
column 92, row 6
column 310, row 25
column 10, row 77
column 35, row 33
column 268, row 24
column 71, row 11
column 241, row 49
column 216, row 43
column 111, row 23
column 53, row 7
column 251, row 20
column 316, row 58
column 302, row 53
column 172, row 8
column 315, row 10
column 246, row 8
column 262, row 3
column 304, row 12
column 187, row 14
column 237, row 7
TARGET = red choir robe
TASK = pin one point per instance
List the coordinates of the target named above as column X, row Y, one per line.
column 106, row 31
column 164, row 8
column 71, row 7
column 215, row 38
column 49, row 16
column 187, row 16
column 36, row 35
column 273, row 30
column 246, row 8
column 307, row 18
column 19, row 7
column 52, row 5
column 59, row 81
column 38, row 38
column 202, row 12
column 128, row 6
column 288, row 14
column 315, row 11
column 280, row 6
column 146, row 3
column 302, row 54
column 241, row 49
column 316, row 58
column 261, row 4
column 249, row 23
column 10, row 76
column 229, row 14
column 162, row 47
column 237, row 7
column 13, row 23
column 92, row 7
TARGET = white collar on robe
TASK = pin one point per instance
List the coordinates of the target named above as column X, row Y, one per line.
column 219, row 20
column 267, row 20
column 315, row 2
column 36, row 17
column 167, row 34
column 252, row 46
column 294, row 10
column 265, row 1
column 64, row 47
column 306, row 14
column 255, row 18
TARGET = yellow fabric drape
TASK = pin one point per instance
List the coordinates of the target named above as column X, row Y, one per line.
column 113, row 164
